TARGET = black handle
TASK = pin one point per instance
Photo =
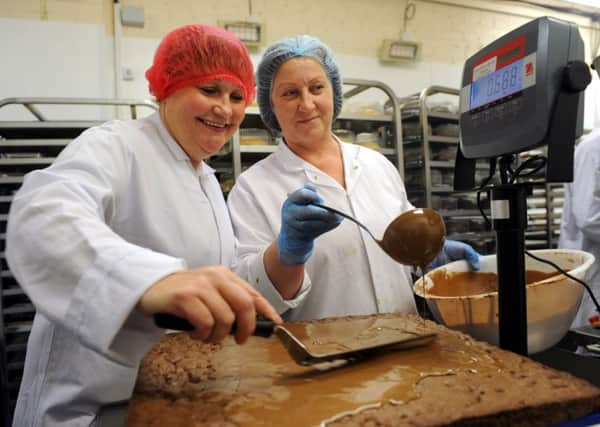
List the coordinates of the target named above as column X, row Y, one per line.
column 264, row 328
column 170, row 321
column 345, row 215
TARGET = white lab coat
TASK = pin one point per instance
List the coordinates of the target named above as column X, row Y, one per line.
column 580, row 223
column 348, row 273
column 119, row 209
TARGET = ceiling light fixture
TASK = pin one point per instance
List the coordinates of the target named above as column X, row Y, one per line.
column 249, row 31
column 398, row 50
column 403, row 50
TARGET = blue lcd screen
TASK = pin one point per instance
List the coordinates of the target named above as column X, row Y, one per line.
column 497, row 85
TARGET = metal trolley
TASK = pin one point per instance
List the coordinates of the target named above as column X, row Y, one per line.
column 25, row 145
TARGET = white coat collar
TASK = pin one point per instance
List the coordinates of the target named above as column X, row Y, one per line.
column 293, row 162
column 175, row 148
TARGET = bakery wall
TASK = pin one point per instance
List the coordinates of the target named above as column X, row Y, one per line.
column 65, row 48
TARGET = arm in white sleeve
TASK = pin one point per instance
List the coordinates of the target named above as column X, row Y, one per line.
column 77, row 271
column 256, row 225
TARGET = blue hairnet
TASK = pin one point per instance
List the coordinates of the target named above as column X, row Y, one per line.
column 277, row 54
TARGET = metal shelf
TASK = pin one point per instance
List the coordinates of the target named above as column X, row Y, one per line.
column 444, row 116
column 444, row 139
column 42, row 161
column 14, row 348
column 21, row 143
column 19, row 309
column 472, row 235
column 366, row 117
column 258, row 149
column 11, row 292
column 462, row 212
column 11, row 180
column 18, row 328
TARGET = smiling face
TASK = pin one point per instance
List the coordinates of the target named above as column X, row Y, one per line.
column 202, row 119
column 302, row 100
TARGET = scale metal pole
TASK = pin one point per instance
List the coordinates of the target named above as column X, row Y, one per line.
column 509, row 220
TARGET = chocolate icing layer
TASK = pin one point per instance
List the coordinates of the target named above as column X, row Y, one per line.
column 451, row 380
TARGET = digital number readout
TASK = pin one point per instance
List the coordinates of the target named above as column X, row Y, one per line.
column 497, row 85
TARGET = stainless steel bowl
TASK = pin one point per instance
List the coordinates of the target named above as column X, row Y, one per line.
column 551, row 303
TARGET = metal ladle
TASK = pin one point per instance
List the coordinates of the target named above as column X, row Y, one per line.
column 414, row 238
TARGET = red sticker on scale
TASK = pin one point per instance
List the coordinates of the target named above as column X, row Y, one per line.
column 529, row 68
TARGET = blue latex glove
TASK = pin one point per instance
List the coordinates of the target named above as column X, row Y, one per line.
column 301, row 224
column 453, row 251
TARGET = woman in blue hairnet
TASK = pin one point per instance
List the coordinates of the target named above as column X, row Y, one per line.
column 304, row 259
column 129, row 221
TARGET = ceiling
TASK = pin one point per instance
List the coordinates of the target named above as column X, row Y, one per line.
column 589, row 8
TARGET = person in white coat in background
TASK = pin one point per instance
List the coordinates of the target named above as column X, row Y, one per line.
column 127, row 222
column 343, row 271
column 580, row 221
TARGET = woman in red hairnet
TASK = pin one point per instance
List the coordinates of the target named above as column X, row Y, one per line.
column 127, row 222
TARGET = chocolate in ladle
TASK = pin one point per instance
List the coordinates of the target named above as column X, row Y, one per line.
column 414, row 238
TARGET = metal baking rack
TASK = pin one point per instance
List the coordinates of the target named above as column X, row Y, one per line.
column 32, row 141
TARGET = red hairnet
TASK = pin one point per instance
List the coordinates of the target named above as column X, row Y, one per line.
column 196, row 54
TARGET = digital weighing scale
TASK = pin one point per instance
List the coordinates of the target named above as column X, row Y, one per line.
column 523, row 91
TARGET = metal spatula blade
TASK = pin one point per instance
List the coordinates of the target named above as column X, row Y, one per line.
column 296, row 348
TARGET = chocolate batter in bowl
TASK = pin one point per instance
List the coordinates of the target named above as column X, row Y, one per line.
column 468, row 301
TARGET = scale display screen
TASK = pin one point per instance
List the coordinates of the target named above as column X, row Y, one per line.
column 509, row 94
column 497, row 85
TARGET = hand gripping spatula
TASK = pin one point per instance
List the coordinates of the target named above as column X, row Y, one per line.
column 312, row 343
